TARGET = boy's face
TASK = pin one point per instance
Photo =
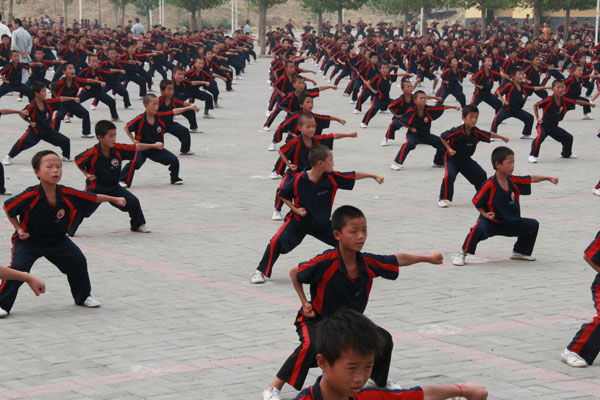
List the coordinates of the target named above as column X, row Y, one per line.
column 406, row 87
column 41, row 94
column 38, row 55
column 471, row 119
column 70, row 71
column 93, row 61
column 14, row 57
column 299, row 84
column 308, row 105
column 178, row 76
column 421, row 100
column 559, row 89
column 5, row 40
column 347, row 375
column 353, row 235
column 109, row 139
column 507, row 166
column 385, row 69
column 290, row 68
column 168, row 92
column 50, row 170
column 577, row 72
column 152, row 106
column 308, row 128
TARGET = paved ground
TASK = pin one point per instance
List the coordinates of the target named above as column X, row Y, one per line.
column 180, row 321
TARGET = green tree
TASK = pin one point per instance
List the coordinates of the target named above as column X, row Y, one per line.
column 144, row 7
column 340, row 5
column 194, row 7
column 119, row 6
column 315, row 7
column 263, row 6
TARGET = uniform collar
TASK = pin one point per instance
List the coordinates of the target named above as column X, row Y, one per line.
column 360, row 261
column 43, row 196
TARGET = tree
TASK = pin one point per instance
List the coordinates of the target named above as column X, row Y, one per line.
column 340, row 5
column 145, row 7
column 484, row 6
column 119, row 6
column 66, row 4
column 263, row 6
column 315, row 7
column 409, row 7
column 11, row 6
column 569, row 5
column 194, row 7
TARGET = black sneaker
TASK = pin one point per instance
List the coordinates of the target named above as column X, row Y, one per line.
column 177, row 181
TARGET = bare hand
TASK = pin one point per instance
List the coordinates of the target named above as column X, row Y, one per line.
column 301, row 211
column 353, row 134
column 92, row 178
column 452, row 152
column 343, row 121
column 457, row 108
column 541, row 121
column 553, row 179
column 436, row 258
column 120, row 201
column 592, row 105
column 24, row 113
column 293, row 167
column 159, row 145
column 103, row 84
column 489, row 215
column 504, row 138
column 334, row 87
column 474, row 391
column 195, row 108
column 37, row 285
column 23, row 235
column 308, row 311
column 413, row 130
column 378, row 179
column 77, row 100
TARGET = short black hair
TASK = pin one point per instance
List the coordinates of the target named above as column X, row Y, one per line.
column 304, row 117
column 417, row 93
column 469, row 108
column 556, row 82
column 297, row 78
column 302, row 98
column 164, row 83
column 37, row 86
column 36, row 160
column 103, row 126
column 318, row 153
column 500, row 154
column 514, row 70
column 342, row 215
column 148, row 98
column 347, row 329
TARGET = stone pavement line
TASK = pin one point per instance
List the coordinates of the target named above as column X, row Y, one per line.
column 67, row 386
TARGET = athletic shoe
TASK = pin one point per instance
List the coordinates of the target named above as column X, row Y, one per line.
column 396, row 166
column 363, row 125
column 217, row 105
column 459, row 260
column 116, row 119
column 259, row 277
column 532, row 159
column 129, row 107
column 67, row 120
column 143, row 229
column 272, row 146
column 444, row 203
column 277, row 216
column 586, row 117
column 596, row 192
column 346, row 95
column 65, row 159
column 177, row 181
column 267, row 113
column 91, row 302
column 6, row 193
column 186, row 153
column 196, row 130
column 90, row 136
column 572, row 359
column 573, row 156
column 434, row 165
column 7, row 160
column 526, row 137
column 140, row 98
column 384, row 142
column 519, row 256
column 122, row 184
column 270, row 393
column 92, row 107
column 275, row 175
column 266, row 128
column 352, row 101
column 3, row 313
column 208, row 116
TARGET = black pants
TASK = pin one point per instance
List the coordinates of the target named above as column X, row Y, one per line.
column 182, row 134
column 586, row 109
column 119, row 89
column 458, row 94
column 556, row 133
column 205, row 97
column 525, row 229
column 376, row 105
column 190, row 115
column 468, row 168
column 30, row 139
column 519, row 114
column 164, row 157
column 487, row 98
column 413, row 139
column 365, row 94
column 132, row 205
column 77, row 110
column 287, row 238
column 16, row 87
column 296, row 367
column 586, row 342
column 139, row 80
column 99, row 94
column 394, row 126
column 67, row 257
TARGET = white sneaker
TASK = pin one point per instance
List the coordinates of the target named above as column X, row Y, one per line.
column 91, row 302
column 122, row 184
column 65, row 159
column 271, row 393
column 208, row 116
column 526, row 137
column 92, row 107
column 328, row 80
column 67, row 120
column 7, row 160
column 596, row 192
column 140, row 98
column 272, row 146
column 3, row 313
column 356, row 111
column 143, row 229
column 586, row 117
column 519, row 256
column 275, row 175
column 444, row 203
column 90, row 136
column 532, row 159
column 573, row 156
column 459, row 260
column 267, row 113
column 129, row 107
column 384, row 142
column 277, row 216
column 573, row 359
column 266, row 128
column 6, row 193
column 259, row 277
column 196, row 130
column 396, row 166
column 434, row 165
column 346, row 95
column 352, row 101
column 363, row 125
